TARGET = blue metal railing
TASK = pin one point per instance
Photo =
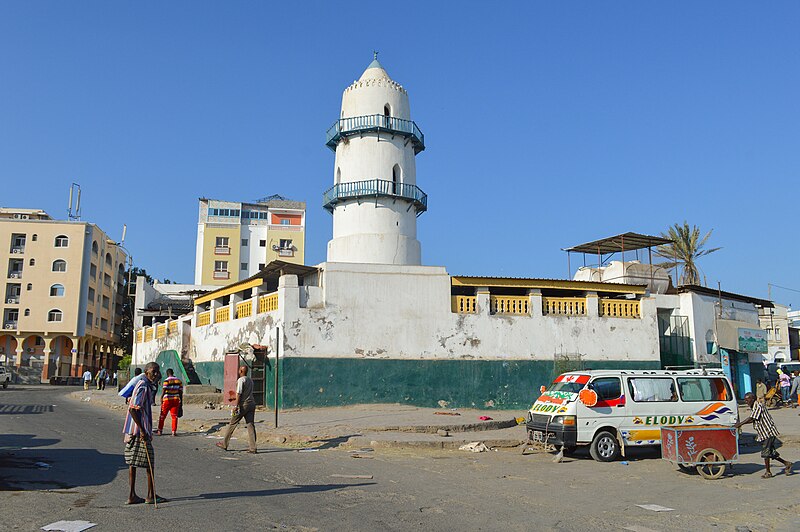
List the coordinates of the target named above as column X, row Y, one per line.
column 375, row 188
column 358, row 124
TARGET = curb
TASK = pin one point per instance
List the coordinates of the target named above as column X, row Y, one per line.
column 433, row 429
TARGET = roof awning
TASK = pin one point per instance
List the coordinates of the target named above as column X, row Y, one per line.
column 741, row 336
column 620, row 243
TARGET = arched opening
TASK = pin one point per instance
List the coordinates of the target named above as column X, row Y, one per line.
column 108, row 259
column 33, row 351
column 55, row 315
column 32, row 262
column 62, row 241
column 397, row 179
column 59, row 265
column 387, row 113
column 57, row 290
column 8, row 350
column 61, row 356
column 338, row 175
column 94, row 248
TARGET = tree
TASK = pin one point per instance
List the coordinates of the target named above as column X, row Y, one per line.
column 685, row 249
column 128, row 311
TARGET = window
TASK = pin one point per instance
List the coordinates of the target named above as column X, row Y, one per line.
column 703, row 389
column 222, row 241
column 108, row 259
column 32, row 262
column 91, row 295
column 54, row 315
column 285, row 221
column 397, row 178
column 59, row 265
column 285, row 243
column 607, row 388
column 93, row 271
column 220, row 265
column 89, row 319
column 35, row 237
column 777, row 334
column 12, row 315
column 62, row 241
column 244, row 242
column 262, row 243
column 94, row 248
column 57, row 290
column 104, row 324
column 106, row 302
column 338, row 175
column 29, row 287
column 387, row 110
column 652, row 389
column 223, row 212
column 106, row 279
column 261, row 266
column 27, row 312
column 244, row 266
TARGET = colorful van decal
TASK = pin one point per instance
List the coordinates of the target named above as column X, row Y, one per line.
column 713, row 411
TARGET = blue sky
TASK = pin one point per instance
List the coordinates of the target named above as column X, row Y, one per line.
column 546, row 125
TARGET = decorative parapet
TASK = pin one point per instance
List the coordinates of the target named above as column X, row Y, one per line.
column 564, row 306
column 464, row 304
column 618, row 308
column 510, row 305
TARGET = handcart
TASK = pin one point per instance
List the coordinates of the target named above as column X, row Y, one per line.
column 707, row 448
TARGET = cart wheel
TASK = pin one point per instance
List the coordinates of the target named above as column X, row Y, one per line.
column 686, row 468
column 710, row 471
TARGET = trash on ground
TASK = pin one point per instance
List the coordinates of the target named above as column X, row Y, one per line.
column 229, row 458
column 446, row 414
column 42, row 465
column 624, row 462
column 86, row 399
column 520, row 420
column 655, row 507
column 443, row 433
column 558, row 457
column 475, row 447
column 212, row 437
column 307, row 450
column 364, row 477
column 69, row 526
column 485, row 418
column 361, row 456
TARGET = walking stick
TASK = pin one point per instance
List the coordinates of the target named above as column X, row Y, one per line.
column 152, row 475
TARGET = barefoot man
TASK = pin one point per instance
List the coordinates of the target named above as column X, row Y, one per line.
column 766, row 433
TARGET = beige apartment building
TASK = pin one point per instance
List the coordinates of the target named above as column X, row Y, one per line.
column 62, row 286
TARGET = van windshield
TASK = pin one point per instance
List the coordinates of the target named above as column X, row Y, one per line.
column 571, row 387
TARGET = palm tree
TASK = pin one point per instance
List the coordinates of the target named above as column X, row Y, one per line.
column 685, row 249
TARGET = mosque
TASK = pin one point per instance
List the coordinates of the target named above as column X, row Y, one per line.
column 374, row 325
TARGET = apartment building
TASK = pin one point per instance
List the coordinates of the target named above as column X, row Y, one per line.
column 236, row 240
column 62, row 288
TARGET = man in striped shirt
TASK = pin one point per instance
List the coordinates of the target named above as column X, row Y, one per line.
column 171, row 401
column 766, row 433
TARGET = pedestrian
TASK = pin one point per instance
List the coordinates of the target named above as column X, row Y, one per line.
column 786, row 383
column 114, row 379
column 766, row 433
column 138, row 430
column 793, row 399
column 101, row 378
column 171, row 402
column 245, row 408
column 761, row 391
column 87, row 379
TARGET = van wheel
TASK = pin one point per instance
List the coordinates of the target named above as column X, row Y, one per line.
column 605, row 447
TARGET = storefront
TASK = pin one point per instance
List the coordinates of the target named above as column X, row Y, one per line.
column 741, row 349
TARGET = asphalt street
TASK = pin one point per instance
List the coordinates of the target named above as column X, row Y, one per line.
column 62, row 459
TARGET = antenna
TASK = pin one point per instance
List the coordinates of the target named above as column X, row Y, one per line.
column 74, row 193
column 124, row 230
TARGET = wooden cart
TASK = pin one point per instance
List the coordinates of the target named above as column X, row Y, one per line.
column 707, row 448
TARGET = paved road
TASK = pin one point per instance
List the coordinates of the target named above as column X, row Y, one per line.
column 288, row 490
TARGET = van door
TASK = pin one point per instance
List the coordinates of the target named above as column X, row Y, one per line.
column 608, row 412
column 654, row 402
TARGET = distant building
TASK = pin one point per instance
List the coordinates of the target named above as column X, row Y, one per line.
column 236, row 240
column 62, row 292
column 776, row 322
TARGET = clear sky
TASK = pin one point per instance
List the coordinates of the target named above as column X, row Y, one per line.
column 546, row 125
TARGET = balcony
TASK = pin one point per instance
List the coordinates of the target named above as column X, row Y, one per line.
column 355, row 125
column 375, row 188
column 222, row 275
column 222, row 250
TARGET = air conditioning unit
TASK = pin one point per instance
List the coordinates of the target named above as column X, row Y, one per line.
column 14, row 275
column 17, row 250
column 11, row 300
column 9, row 325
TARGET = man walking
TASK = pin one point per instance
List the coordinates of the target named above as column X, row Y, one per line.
column 766, row 433
column 138, row 431
column 245, row 408
column 87, row 379
column 171, row 401
column 101, row 378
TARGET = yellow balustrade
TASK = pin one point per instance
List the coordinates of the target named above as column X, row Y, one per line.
column 139, row 336
column 204, row 318
column 161, row 330
column 564, row 306
column 148, row 334
column 620, row 308
column 222, row 314
column 464, row 304
column 244, row 309
column 173, row 327
column 510, row 305
column 268, row 302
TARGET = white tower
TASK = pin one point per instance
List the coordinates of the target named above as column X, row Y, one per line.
column 375, row 200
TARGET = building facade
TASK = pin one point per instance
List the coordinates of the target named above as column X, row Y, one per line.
column 776, row 322
column 236, row 240
column 62, row 286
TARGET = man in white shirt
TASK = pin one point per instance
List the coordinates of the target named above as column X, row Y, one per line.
column 245, row 408
column 87, row 379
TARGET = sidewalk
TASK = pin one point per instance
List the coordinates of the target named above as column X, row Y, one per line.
column 358, row 426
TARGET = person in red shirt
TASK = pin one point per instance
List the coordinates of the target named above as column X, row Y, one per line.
column 171, row 402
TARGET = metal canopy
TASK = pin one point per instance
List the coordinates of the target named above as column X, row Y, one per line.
column 619, row 244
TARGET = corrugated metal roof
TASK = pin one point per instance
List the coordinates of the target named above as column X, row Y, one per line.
column 618, row 243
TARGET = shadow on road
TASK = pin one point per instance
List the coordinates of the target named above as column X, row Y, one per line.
column 44, row 469
column 333, row 443
column 268, row 493
column 19, row 441
column 25, row 409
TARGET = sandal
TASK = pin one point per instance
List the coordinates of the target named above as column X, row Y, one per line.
column 766, row 475
column 137, row 500
column 158, row 499
column 221, row 446
column 788, row 470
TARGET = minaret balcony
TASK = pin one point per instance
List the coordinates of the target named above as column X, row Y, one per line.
column 375, row 188
column 356, row 125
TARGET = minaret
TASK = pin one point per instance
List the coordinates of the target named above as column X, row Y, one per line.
column 375, row 200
